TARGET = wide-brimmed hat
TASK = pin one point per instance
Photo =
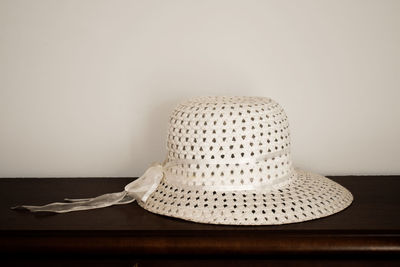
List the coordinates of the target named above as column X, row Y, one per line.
column 228, row 162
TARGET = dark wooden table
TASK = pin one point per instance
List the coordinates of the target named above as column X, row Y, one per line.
column 366, row 233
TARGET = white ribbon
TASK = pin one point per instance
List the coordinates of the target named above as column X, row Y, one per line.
column 144, row 186
column 139, row 190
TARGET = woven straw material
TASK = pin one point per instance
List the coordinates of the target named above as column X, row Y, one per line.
column 229, row 162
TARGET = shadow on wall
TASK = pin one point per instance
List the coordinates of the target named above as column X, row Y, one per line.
column 152, row 145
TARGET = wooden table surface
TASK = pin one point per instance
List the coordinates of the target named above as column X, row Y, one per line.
column 367, row 232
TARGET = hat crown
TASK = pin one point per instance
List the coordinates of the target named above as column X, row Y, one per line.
column 228, row 141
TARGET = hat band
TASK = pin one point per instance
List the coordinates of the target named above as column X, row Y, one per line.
column 182, row 181
column 270, row 185
column 243, row 160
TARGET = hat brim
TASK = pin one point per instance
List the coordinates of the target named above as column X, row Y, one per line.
column 307, row 197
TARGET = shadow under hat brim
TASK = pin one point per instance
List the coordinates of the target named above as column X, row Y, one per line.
column 307, row 197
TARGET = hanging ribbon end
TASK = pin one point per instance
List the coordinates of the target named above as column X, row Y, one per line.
column 140, row 189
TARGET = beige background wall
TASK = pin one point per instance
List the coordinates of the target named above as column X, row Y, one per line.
column 86, row 86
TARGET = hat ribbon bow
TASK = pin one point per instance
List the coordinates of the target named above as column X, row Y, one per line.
column 138, row 190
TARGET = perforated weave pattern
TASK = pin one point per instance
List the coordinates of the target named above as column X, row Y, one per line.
column 229, row 141
column 229, row 162
column 309, row 197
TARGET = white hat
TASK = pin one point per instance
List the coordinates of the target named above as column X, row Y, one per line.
column 228, row 162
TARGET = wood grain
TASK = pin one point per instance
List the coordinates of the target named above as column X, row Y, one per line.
column 370, row 227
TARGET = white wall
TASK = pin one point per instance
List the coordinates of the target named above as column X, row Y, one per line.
column 86, row 86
